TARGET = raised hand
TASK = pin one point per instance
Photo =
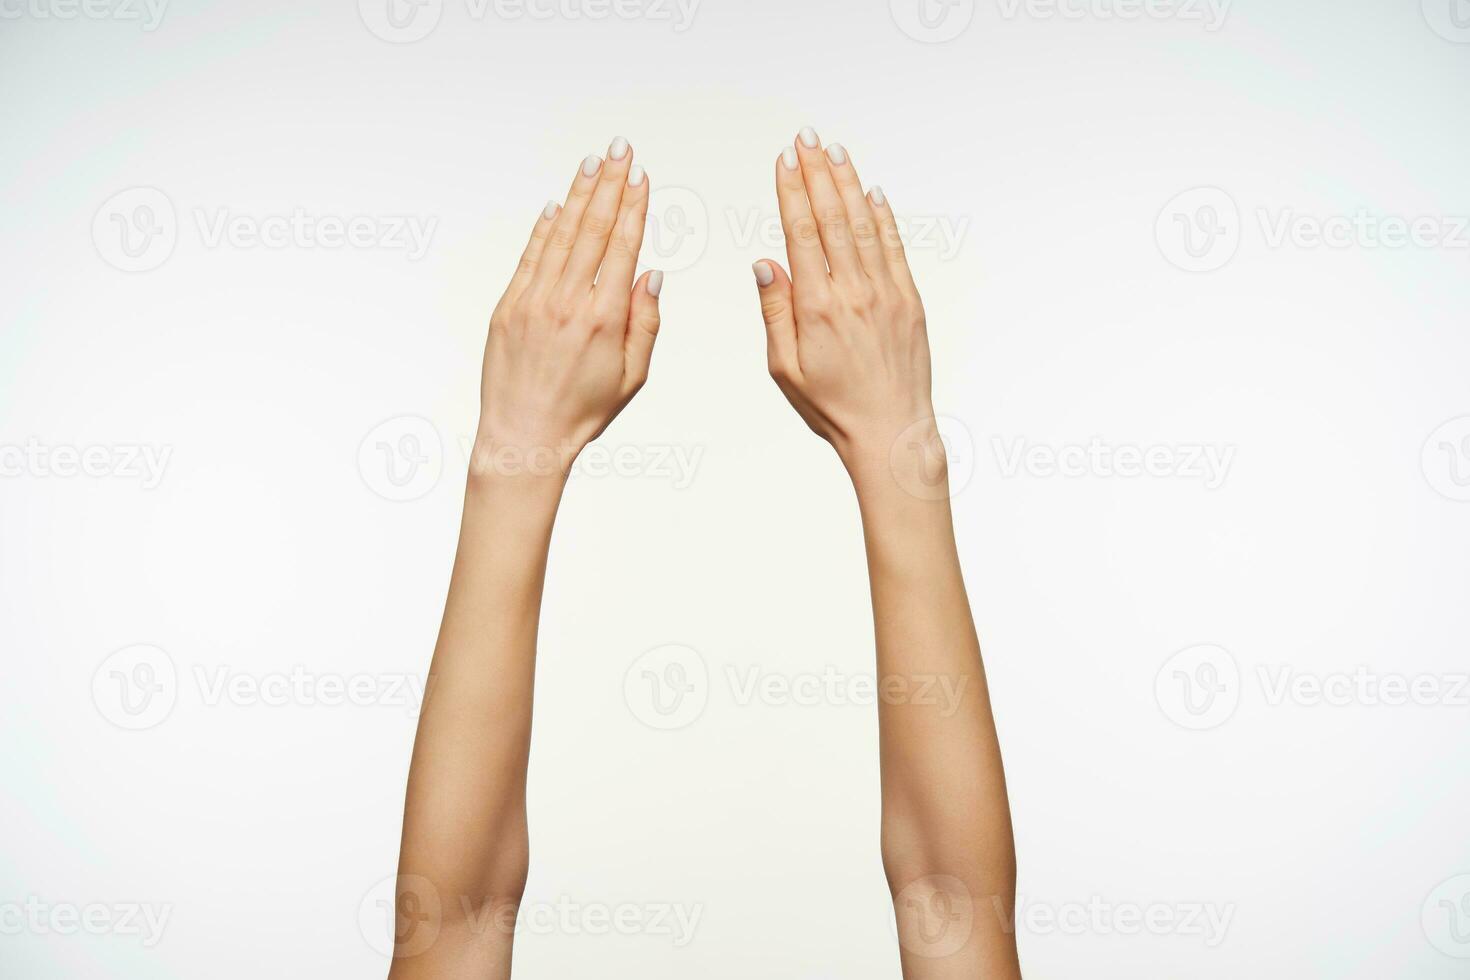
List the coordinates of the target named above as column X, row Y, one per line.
column 570, row 341
column 845, row 331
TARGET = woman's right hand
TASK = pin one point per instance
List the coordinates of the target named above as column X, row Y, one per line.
column 846, row 337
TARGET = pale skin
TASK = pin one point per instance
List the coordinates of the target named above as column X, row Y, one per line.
column 570, row 344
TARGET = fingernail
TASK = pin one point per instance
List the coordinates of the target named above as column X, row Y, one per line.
column 764, row 274
column 590, row 165
column 788, row 158
column 655, row 283
column 877, row 195
column 837, row 154
column 809, row 137
column 619, row 148
column 635, row 175
column 550, row 210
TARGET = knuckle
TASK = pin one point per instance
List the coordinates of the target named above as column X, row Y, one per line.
column 622, row 244
column 596, row 225
column 562, row 236
column 805, row 231
column 865, row 231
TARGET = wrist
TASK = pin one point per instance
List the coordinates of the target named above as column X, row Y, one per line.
column 906, row 457
column 499, row 460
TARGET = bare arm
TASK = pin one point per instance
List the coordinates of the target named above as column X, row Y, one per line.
column 847, row 345
column 564, row 356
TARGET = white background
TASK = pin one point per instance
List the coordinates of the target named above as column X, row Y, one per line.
column 1053, row 149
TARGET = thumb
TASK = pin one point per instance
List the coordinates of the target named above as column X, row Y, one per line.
column 643, row 323
column 776, row 308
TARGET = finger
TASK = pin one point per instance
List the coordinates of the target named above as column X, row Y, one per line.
column 860, row 217
column 531, row 257
column 643, row 323
column 621, row 262
column 890, row 241
column 778, row 312
column 564, row 229
column 803, row 243
column 599, row 220
column 827, row 206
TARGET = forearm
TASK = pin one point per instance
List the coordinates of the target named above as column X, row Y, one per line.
column 465, row 819
column 946, row 819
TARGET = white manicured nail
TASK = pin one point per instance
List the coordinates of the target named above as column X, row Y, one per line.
column 837, row 154
column 635, row 176
column 788, row 158
column 550, row 210
column 764, row 274
column 590, row 165
column 809, row 137
column 655, row 283
column 877, row 195
column 619, row 148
